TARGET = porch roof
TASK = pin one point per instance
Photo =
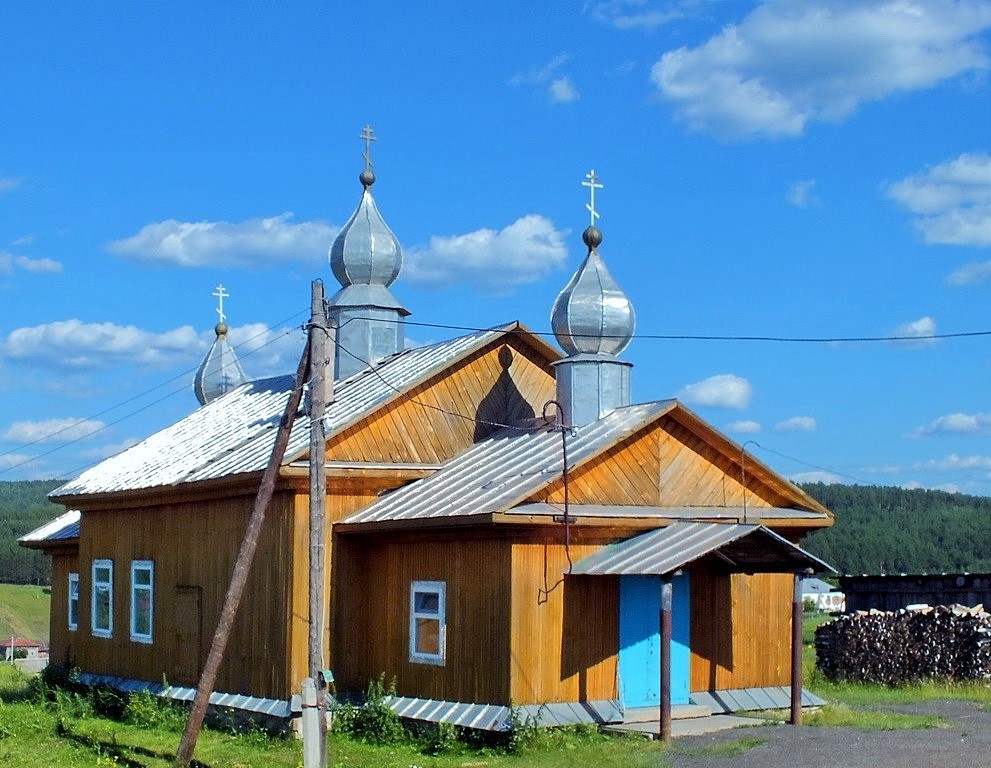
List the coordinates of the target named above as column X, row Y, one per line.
column 662, row 551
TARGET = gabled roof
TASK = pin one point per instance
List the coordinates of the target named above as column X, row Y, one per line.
column 65, row 527
column 504, row 469
column 234, row 434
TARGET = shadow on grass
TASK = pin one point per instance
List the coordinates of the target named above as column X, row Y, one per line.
column 119, row 752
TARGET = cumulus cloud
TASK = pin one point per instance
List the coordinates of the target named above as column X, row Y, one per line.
column 74, row 344
column 9, row 185
column 723, row 391
column 916, row 333
column 951, row 202
column 976, row 272
column 492, row 260
column 547, row 79
column 744, row 427
column 249, row 243
column 791, row 62
column 802, row 194
column 106, row 451
column 635, row 14
column 51, row 430
column 955, row 462
column 8, row 460
column 9, row 262
column 967, row 424
column 818, row 476
column 797, row 424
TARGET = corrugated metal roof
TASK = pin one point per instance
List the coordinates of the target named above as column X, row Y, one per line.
column 751, row 699
column 495, row 717
column 505, row 468
column 673, row 513
column 664, row 550
column 65, row 526
column 234, row 434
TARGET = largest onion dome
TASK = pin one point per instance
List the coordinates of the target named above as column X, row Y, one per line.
column 365, row 252
column 220, row 371
column 592, row 315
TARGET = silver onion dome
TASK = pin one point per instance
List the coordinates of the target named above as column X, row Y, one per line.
column 220, row 371
column 593, row 315
column 365, row 251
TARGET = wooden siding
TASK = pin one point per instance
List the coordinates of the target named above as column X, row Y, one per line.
column 500, row 384
column 193, row 546
column 741, row 630
column 62, row 640
column 665, row 464
column 565, row 630
column 372, row 581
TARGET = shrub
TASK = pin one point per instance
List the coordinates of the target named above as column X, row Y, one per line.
column 372, row 722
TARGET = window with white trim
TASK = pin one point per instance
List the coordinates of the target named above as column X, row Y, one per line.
column 102, row 603
column 73, row 601
column 142, row 600
column 427, row 622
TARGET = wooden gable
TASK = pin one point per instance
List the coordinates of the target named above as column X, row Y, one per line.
column 677, row 460
column 505, row 382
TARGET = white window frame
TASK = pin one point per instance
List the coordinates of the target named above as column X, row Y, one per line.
column 73, row 602
column 438, row 588
column 108, row 630
column 147, row 566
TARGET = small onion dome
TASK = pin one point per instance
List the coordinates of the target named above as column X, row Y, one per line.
column 592, row 315
column 220, row 371
column 365, row 252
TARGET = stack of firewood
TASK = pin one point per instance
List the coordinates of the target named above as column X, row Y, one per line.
column 907, row 646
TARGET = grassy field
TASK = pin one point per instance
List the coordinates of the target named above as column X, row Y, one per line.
column 24, row 611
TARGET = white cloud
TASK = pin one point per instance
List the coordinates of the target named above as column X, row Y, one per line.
column 9, row 185
column 915, row 333
column 562, row 90
column 25, row 240
column 8, row 460
column 495, row 261
column 970, row 273
column 250, row 243
column 51, row 430
column 75, row 344
column 634, row 14
column 790, row 62
column 723, row 391
column 266, row 352
column 745, row 427
column 955, row 462
column 797, row 424
column 801, row 194
column 817, row 476
column 973, row 424
column 546, row 78
column 951, row 202
column 9, row 262
column 106, row 451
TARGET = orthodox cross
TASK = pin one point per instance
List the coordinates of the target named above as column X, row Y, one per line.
column 592, row 184
column 366, row 136
column 219, row 293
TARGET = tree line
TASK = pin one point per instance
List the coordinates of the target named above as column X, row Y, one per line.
column 24, row 505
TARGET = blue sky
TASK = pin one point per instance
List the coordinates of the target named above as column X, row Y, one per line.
column 782, row 168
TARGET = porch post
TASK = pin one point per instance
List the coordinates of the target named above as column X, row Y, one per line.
column 796, row 648
column 666, row 603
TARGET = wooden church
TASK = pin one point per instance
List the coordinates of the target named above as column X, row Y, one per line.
column 502, row 523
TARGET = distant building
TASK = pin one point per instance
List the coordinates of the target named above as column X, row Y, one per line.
column 889, row 592
column 12, row 647
column 824, row 595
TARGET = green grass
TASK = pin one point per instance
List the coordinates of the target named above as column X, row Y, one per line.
column 841, row 715
column 24, row 611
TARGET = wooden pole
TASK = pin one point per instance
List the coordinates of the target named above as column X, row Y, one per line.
column 667, row 594
column 796, row 652
column 318, row 501
column 239, row 577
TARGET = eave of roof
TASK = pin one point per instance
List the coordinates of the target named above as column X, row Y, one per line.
column 63, row 530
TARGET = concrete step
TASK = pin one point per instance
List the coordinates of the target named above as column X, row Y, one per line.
column 678, row 712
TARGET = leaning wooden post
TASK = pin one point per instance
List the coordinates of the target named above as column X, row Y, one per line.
column 239, row 577
column 318, row 501
column 796, row 651
column 666, row 603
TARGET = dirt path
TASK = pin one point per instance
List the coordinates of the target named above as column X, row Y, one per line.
column 966, row 743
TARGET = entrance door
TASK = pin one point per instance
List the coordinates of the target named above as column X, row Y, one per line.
column 640, row 640
column 188, row 656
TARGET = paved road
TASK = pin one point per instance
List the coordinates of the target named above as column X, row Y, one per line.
column 966, row 743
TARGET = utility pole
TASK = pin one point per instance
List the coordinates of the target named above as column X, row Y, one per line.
column 239, row 577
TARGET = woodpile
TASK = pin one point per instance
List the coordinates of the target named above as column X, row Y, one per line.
column 906, row 646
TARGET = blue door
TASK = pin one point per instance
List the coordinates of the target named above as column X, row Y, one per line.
column 640, row 640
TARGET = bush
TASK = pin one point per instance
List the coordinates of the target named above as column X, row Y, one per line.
column 372, row 722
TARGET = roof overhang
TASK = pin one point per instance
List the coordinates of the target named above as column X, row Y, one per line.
column 738, row 548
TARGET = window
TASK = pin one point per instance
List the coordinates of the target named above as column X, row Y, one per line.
column 142, row 599
column 427, row 622
column 73, row 601
column 103, row 598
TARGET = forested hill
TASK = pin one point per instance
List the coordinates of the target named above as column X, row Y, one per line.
column 877, row 529
column 893, row 530
column 24, row 505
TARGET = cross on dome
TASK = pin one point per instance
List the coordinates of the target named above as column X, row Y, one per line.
column 366, row 136
column 219, row 293
column 592, row 184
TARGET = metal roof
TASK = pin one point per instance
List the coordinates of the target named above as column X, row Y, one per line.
column 662, row 551
column 234, row 434
column 63, row 527
column 497, row 717
column 499, row 472
column 737, row 514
